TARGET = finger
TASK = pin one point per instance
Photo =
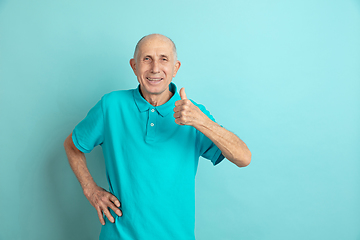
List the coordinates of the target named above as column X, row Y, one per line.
column 108, row 215
column 100, row 215
column 115, row 201
column 183, row 107
column 178, row 121
column 183, row 94
column 114, row 204
column 115, row 209
column 178, row 108
column 179, row 103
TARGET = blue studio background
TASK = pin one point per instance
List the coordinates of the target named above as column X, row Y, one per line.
column 283, row 75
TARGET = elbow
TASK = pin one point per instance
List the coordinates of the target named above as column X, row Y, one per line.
column 244, row 160
column 65, row 145
column 66, row 142
column 70, row 146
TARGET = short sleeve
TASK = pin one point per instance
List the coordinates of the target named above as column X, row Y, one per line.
column 207, row 148
column 90, row 131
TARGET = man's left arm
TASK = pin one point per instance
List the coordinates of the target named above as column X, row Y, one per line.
column 232, row 147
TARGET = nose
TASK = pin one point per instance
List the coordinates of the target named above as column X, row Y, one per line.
column 155, row 67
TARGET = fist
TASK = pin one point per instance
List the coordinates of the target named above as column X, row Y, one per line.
column 186, row 113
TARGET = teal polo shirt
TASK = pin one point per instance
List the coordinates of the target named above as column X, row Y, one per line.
column 151, row 164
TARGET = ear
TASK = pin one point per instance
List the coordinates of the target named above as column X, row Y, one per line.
column 177, row 66
column 133, row 65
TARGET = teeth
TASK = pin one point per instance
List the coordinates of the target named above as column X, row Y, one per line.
column 154, row 79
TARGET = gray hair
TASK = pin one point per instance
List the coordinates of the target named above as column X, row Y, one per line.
column 154, row 34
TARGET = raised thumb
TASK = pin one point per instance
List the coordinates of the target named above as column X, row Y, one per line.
column 182, row 93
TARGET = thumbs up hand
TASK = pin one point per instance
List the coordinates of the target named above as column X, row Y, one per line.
column 186, row 113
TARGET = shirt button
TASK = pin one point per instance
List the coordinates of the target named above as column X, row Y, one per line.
column 151, row 124
column 153, row 110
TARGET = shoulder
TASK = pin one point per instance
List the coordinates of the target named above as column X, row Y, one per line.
column 120, row 94
column 116, row 97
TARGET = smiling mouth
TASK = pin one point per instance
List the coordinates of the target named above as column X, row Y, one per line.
column 154, row 80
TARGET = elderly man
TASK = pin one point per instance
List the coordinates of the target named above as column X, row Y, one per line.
column 152, row 138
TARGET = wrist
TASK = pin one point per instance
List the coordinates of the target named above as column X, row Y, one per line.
column 88, row 187
column 203, row 123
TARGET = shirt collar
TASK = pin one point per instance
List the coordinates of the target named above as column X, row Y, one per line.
column 164, row 109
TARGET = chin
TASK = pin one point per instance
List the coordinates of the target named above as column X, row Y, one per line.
column 153, row 90
column 157, row 89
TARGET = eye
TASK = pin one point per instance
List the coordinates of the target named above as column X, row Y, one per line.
column 164, row 59
column 146, row 58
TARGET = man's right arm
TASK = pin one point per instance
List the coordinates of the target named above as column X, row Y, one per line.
column 101, row 199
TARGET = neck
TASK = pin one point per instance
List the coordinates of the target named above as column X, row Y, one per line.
column 157, row 99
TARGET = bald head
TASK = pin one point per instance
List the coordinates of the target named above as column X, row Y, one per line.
column 154, row 36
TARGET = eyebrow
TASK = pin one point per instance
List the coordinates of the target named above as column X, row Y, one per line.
column 161, row 56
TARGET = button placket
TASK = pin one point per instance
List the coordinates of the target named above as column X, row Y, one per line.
column 151, row 129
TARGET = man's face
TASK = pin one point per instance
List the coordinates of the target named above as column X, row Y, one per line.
column 155, row 65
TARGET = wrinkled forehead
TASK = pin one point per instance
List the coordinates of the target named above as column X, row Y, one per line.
column 156, row 45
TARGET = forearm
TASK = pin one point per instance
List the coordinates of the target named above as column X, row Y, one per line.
column 231, row 146
column 77, row 162
column 97, row 196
